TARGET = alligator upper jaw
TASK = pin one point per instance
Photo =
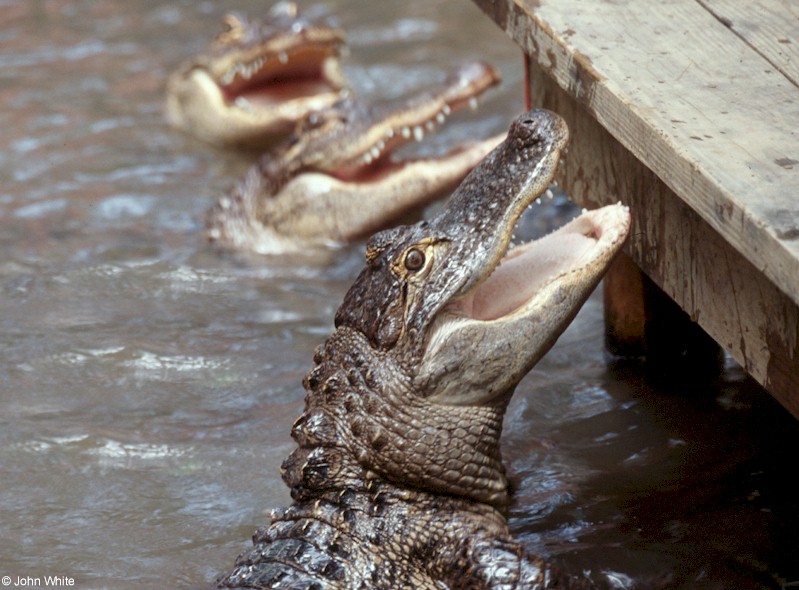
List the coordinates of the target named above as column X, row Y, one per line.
column 519, row 310
column 364, row 138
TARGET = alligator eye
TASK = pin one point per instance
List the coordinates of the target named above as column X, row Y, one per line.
column 414, row 259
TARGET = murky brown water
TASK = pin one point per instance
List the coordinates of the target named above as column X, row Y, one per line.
column 147, row 384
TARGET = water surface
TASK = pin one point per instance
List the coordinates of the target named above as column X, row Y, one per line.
column 148, row 383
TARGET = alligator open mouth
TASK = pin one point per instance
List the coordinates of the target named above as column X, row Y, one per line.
column 257, row 79
column 526, row 270
column 516, row 301
column 526, row 300
column 295, row 67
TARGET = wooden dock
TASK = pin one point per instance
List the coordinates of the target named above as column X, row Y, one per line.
column 688, row 111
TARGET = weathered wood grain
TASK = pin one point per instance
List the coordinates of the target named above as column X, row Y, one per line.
column 690, row 99
column 769, row 27
column 686, row 111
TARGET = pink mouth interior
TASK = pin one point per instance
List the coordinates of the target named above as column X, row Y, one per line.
column 301, row 76
column 523, row 272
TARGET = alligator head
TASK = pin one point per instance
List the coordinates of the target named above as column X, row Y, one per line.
column 397, row 478
column 257, row 79
column 336, row 178
column 457, row 318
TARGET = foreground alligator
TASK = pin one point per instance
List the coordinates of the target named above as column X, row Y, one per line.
column 336, row 179
column 257, row 79
column 397, row 478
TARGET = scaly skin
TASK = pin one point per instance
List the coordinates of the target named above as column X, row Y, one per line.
column 257, row 79
column 335, row 179
column 397, row 480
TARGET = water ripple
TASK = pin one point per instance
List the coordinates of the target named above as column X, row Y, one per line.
column 45, row 55
column 121, row 206
column 40, row 209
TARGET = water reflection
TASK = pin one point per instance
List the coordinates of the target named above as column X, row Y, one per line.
column 148, row 383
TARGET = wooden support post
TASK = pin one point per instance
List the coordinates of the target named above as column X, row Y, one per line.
column 625, row 311
column 641, row 321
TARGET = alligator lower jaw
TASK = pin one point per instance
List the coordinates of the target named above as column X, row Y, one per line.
column 340, row 210
column 521, row 306
column 526, row 270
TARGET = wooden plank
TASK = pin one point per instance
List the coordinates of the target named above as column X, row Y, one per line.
column 696, row 104
column 768, row 27
column 722, row 291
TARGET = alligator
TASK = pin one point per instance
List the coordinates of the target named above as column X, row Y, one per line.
column 257, row 79
column 336, row 178
column 397, row 479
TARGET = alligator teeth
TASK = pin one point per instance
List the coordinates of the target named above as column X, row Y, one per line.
column 406, row 132
column 537, row 201
column 418, row 133
column 446, row 110
column 243, row 103
column 375, row 152
column 390, row 134
column 440, row 118
column 227, row 78
column 283, row 57
column 380, row 145
column 473, row 103
column 430, row 125
column 549, row 194
column 224, row 202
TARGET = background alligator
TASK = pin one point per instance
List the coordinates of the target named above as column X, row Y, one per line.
column 335, row 179
column 257, row 79
column 397, row 478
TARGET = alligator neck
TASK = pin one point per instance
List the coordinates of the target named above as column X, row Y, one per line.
column 362, row 423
